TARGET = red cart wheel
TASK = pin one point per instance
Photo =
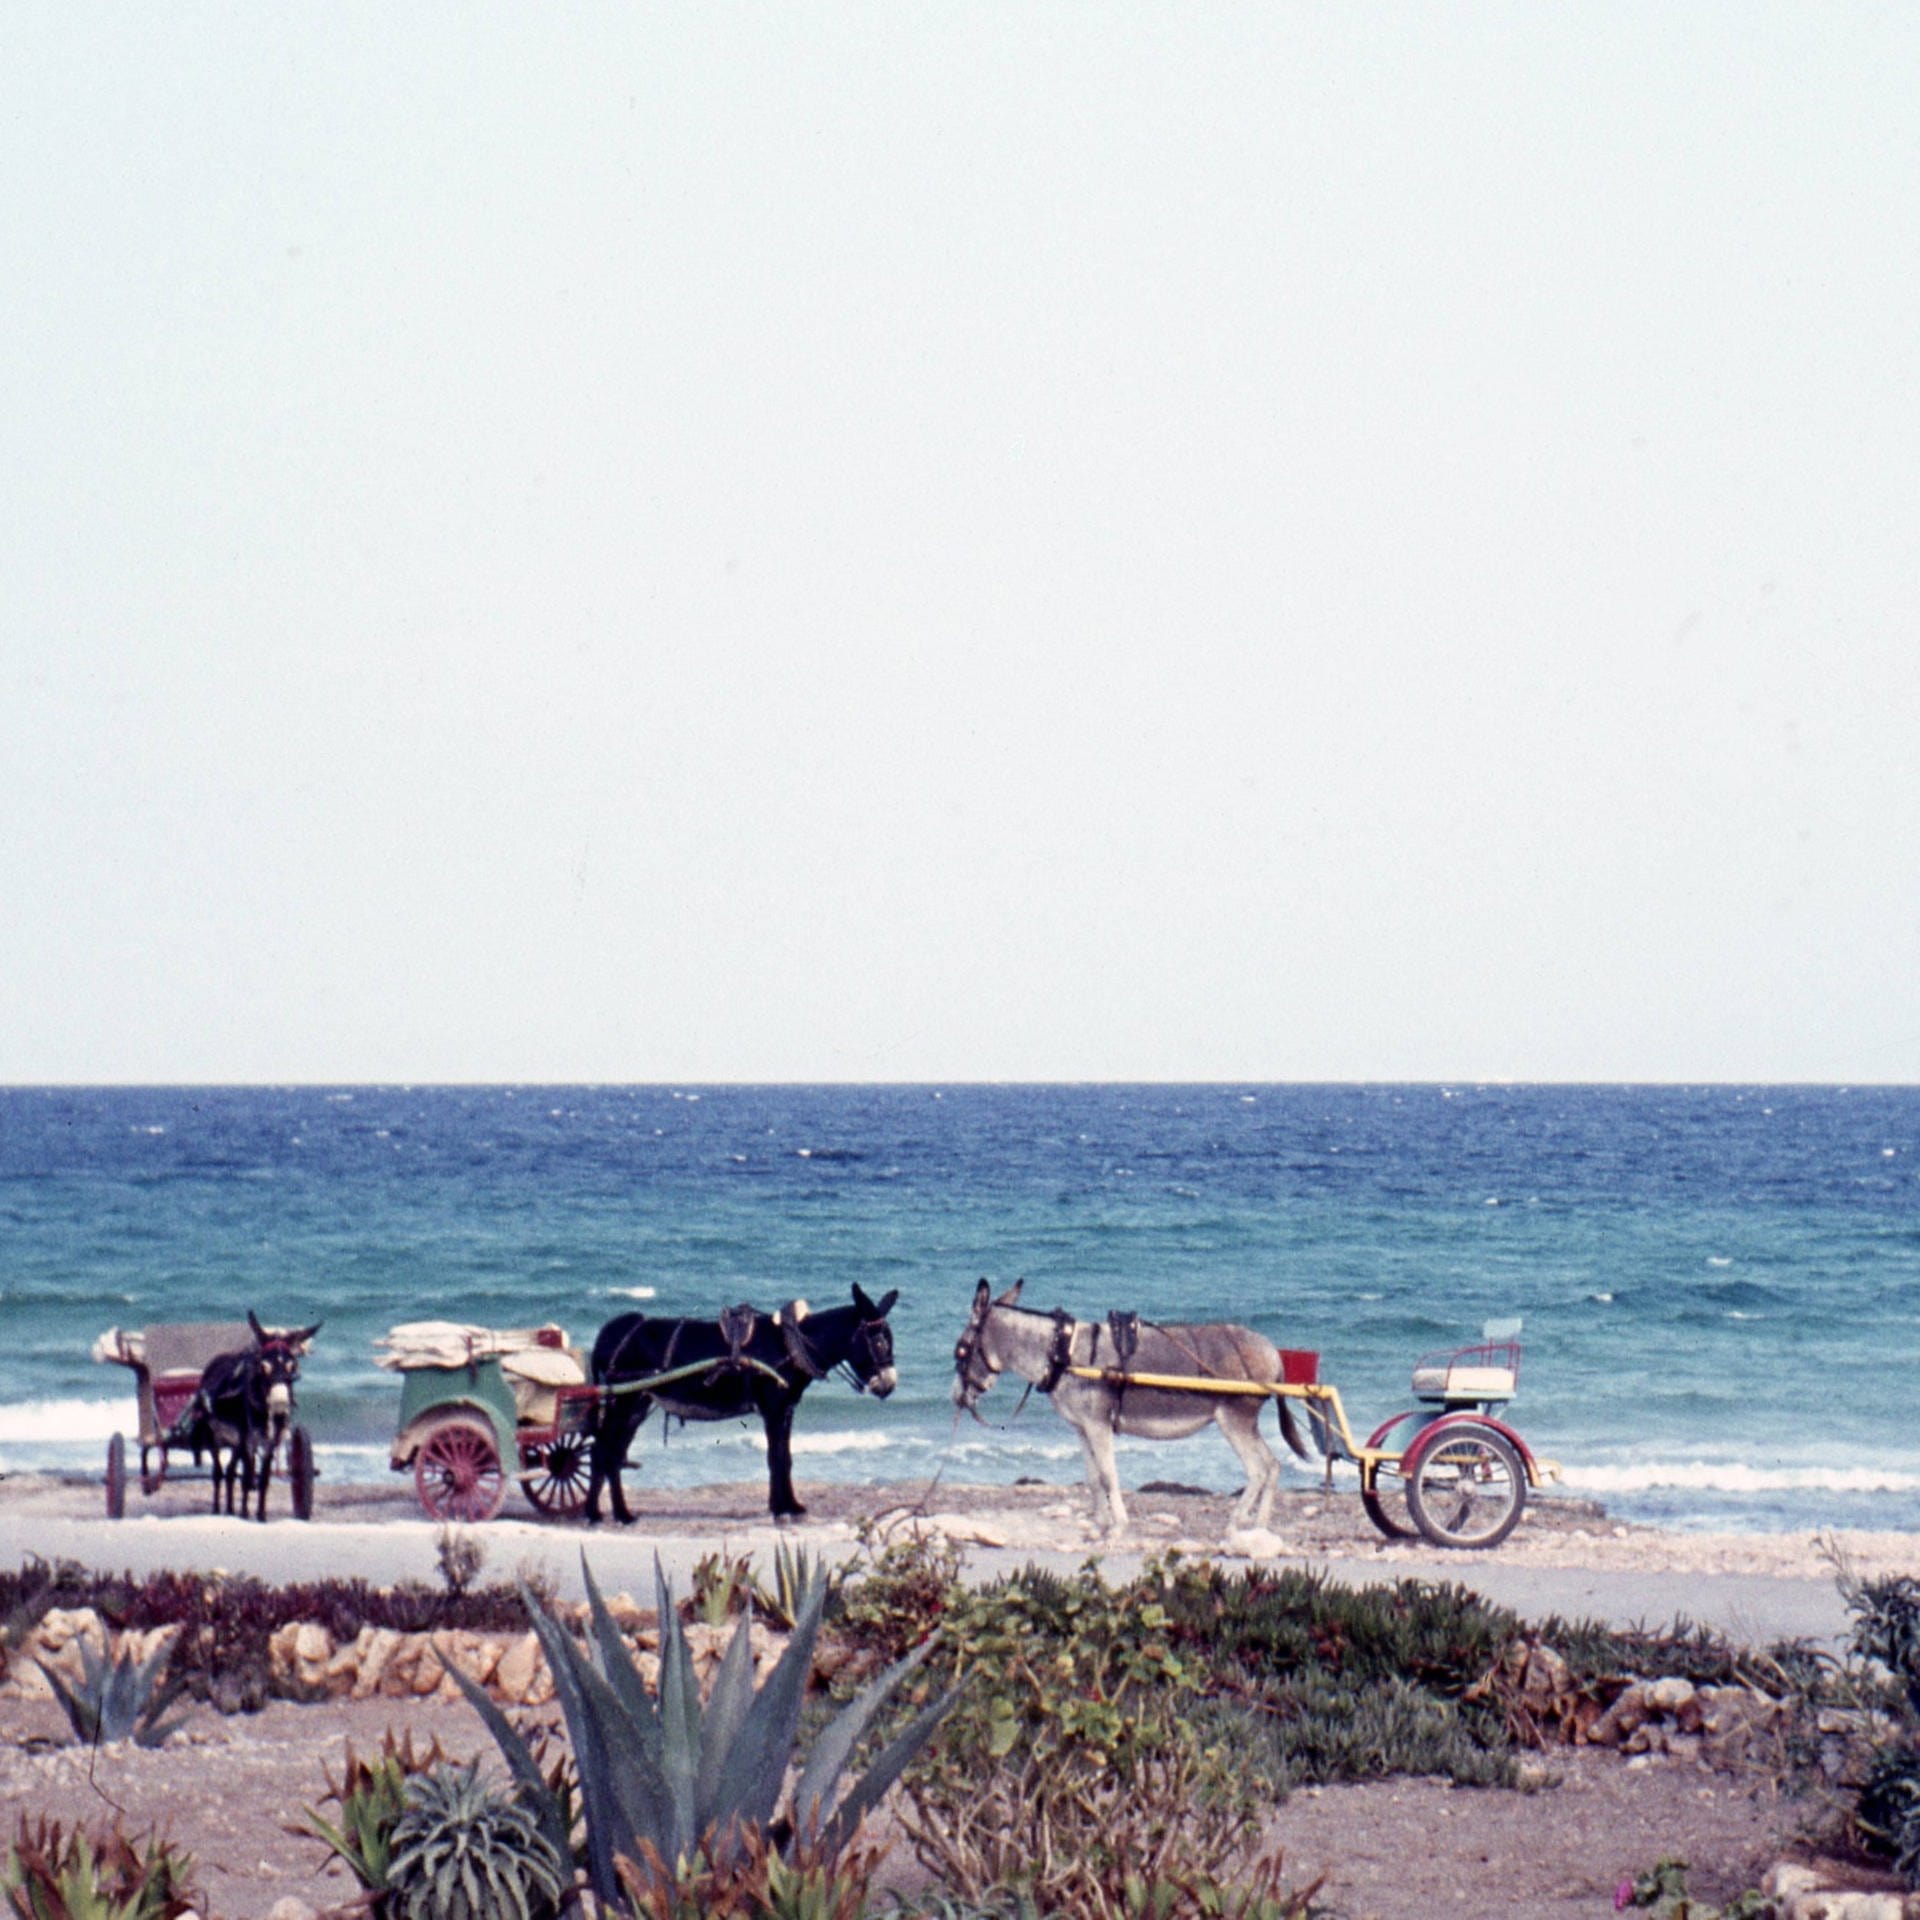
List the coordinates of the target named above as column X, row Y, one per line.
column 457, row 1469
column 1467, row 1486
column 117, row 1477
column 558, row 1478
column 300, row 1473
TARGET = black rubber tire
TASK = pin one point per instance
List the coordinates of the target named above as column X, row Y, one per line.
column 117, row 1477
column 300, row 1473
column 1468, row 1487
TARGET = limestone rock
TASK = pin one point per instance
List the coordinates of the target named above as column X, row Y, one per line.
column 1255, row 1543
column 1621, row 1720
column 965, row 1529
column 1670, row 1695
column 520, row 1667
column 380, row 1645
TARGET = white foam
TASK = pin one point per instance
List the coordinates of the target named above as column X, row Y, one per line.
column 1711, row 1476
column 49, row 1422
column 633, row 1293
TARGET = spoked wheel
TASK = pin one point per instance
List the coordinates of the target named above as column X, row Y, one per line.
column 1467, row 1487
column 557, row 1482
column 457, row 1470
column 1387, row 1505
column 300, row 1473
column 1385, row 1495
column 117, row 1477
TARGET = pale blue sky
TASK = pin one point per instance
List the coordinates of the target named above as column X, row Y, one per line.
column 972, row 541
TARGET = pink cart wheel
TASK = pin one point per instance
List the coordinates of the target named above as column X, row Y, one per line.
column 557, row 1477
column 457, row 1469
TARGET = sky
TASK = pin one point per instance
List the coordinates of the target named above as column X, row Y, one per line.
column 909, row 542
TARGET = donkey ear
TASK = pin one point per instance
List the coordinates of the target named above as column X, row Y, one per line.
column 303, row 1336
column 861, row 1301
column 982, row 1297
column 259, row 1332
column 886, row 1305
column 1011, row 1295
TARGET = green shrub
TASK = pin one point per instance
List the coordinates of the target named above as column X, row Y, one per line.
column 1663, row 1890
column 1082, row 1767
column 900, row 1597
column 1320, row 1730
column 1888, row 1814
column 1886, row 1629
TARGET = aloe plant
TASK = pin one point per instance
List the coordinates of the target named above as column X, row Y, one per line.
column 779, row 1604
column 371, row 1795
column 665, row 1779
column 463, row 1850
column 48, row 1873
column 122, row 1699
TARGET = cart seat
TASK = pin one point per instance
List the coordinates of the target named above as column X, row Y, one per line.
column 193, row 1346
column 1444, row 1380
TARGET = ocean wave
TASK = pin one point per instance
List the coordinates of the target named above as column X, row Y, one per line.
column 51, row 1422
column 633, row 1293
column 1714, row 1476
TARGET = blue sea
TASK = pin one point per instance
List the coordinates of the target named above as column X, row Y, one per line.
column 1720, row 1285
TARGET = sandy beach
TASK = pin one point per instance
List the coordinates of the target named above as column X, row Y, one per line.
column 1568, row 1557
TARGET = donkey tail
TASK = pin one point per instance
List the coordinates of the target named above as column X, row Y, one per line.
column 1301, row 1443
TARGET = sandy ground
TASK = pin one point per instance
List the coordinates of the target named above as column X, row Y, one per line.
column 1567, row 1557
column 1396, row 1850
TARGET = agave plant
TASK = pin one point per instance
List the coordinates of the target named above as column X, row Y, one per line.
column 121, row 1699
column 665, row 1780
column 464, row 1850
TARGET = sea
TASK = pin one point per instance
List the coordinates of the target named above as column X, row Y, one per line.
column 1720, row 1285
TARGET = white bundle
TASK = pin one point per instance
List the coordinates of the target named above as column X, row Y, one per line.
column 121, row 1349
column 447, row 1343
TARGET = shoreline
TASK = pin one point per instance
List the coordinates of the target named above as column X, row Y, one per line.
column 1568, row 1557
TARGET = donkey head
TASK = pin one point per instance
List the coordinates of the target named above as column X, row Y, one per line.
column 276, row 1364
column 871, row 1355
column 974, row 1368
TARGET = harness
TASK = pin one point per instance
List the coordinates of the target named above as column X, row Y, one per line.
column 737, row 1326
column 1059, row 1355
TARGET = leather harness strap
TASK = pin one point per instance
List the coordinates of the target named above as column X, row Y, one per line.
column 1059, row 1350
column 798, row 1349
